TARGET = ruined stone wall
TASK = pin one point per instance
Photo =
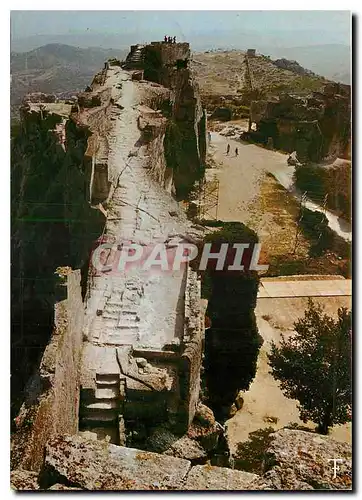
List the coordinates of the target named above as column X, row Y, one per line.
column 316, row 127
column 162, row 59
column 192, row 347
column 52, row 396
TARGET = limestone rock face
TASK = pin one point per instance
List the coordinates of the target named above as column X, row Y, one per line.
column 294, row 460
column 303, row 460
column 24, row 480
column 207, row 477
column 204, row 415
column 280, row 479
column 187, row 448
column 95, row 465
column 204, row 428
column 62, row 487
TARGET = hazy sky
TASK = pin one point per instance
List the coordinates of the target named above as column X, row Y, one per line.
column 332, row 26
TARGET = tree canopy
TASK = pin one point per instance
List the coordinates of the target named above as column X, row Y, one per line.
column 314, row 366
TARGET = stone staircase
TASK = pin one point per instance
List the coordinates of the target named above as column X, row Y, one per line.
column 135, row 58
column 117, row 321
column 105, row 406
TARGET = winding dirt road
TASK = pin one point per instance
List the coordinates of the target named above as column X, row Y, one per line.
column 241, row 175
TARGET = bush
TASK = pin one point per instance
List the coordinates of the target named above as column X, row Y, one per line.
column 310, row 178
column 315, row 227
column 114, row 62
column 251, row 456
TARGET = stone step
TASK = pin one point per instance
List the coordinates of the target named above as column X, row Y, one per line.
column 127, row 325
column 110, row 392
column 112, row 308
column 113, row 303
column 103, row 404
column 101, row 416
column 107, row 379
column 110, row 315
column 121, row 338
column 110, row 322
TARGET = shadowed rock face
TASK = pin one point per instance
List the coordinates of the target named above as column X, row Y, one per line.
column 301, row 460
column 185, row 138
column 52, row 225
column 316, row 127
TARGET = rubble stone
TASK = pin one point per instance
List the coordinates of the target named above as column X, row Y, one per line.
column 207, row 477
column 300, row 458
column 187, row 448
column 95, row 465
column 24, row 480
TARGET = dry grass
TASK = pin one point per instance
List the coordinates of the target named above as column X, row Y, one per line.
column 273, row 215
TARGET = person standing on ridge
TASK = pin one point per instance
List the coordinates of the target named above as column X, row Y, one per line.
column 228, row 150
column 165, row 39
column 174, row 39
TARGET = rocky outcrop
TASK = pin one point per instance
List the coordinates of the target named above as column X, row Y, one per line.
column 111, row 158
column 24, row 480
column 293, row 66
column 53, row 225
column 204, row 429
column 207, row 477
column 187, row 448
column 185, row 138
column 316, row 126
column 294, row 460
column 93, row 465
column 52, row 395
column 304, row 460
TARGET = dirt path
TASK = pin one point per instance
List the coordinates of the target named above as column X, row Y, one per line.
column 249, row 195
column 240, row 176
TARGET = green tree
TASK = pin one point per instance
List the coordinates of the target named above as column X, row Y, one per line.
column 314, row 366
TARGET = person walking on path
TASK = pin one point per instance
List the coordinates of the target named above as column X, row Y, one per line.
column 228, row 150
column 236, row 151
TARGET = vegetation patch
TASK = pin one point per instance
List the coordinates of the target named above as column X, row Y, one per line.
column 251, row 456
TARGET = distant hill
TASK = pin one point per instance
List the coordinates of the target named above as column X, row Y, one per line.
column 222, row 73
column 56, row 68
column 332, row 61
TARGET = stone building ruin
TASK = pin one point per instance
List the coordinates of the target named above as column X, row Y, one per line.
column 316, row 126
